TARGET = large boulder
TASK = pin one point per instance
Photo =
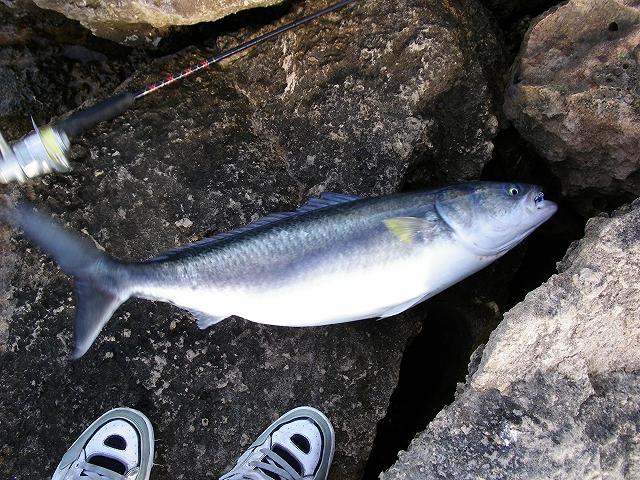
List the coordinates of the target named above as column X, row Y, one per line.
column 343, row 104
column 556, row 394
column 575, row 94
column 143, row 22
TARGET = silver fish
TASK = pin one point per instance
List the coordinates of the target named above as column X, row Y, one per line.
column 337, row 259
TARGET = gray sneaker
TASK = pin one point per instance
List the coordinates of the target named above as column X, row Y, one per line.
column 117, row 446
column 297, row 446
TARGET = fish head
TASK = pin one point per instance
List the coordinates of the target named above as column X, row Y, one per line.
column 490, row 218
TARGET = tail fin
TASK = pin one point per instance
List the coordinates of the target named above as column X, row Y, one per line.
column 98, row 287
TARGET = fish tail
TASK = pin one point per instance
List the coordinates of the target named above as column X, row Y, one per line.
column 100, row 282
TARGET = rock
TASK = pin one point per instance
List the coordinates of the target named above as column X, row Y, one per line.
column 344, row 105
column 557, row 392
column 575, row 95
column 50, row 65
column 141, row 22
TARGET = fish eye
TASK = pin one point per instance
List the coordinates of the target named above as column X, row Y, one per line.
column 513, row 191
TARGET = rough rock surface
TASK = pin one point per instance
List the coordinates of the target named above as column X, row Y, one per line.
column 140, row 22
column 557, row 392
column 575, row 94
column 343, row 105
column 50, row 65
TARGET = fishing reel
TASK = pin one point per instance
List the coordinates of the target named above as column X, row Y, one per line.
column 47, row 148
column 42, row 151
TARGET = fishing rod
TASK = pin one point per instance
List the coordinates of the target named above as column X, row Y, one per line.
column 46, row 149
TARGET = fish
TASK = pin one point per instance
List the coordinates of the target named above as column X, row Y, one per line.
column 338, row 258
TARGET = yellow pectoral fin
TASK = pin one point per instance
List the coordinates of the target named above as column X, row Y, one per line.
column 407, row 229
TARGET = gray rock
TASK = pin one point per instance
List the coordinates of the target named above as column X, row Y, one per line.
column 141, row 22
column 50, row 65
column 347, row 104
column 548, row 427
column 557, row 393
column 575, row 94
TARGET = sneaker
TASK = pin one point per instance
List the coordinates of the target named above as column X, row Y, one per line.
column 297, row 446
column 117, row 446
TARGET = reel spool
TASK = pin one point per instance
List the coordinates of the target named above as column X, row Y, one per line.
column 42, row 151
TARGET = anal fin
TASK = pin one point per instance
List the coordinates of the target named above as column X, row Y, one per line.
column 396, row 309
column 205, row 320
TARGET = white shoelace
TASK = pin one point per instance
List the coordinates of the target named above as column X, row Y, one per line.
column 273, row 463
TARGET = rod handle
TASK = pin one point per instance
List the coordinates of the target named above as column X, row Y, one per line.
column 107, row 109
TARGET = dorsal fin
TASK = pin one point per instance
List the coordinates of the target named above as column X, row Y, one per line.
column 326, row 199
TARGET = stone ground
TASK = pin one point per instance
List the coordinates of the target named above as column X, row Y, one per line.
column 381, row 97
column 349, row 106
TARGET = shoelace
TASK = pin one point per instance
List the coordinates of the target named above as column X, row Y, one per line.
column 272, row 462
column 83, row 470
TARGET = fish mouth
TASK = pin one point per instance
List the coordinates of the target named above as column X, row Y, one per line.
column 535, row 201
column 535, row 205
